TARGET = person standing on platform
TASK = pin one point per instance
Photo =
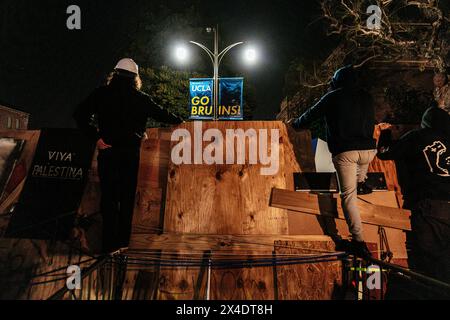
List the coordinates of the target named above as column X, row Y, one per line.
column 422, row 158
column 350, row 122
column 121, row 110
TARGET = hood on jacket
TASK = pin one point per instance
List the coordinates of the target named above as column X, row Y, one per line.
column 344, row 77
column 437, row 119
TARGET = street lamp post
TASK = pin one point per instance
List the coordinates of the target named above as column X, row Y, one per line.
column 216, row 59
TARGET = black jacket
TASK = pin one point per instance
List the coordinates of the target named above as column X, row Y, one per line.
column 422, row 158
column 122, row 114
column 348, row 112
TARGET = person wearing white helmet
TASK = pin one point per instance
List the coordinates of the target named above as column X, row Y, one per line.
column 121, row 110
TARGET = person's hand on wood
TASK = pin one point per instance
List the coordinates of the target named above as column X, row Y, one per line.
column 101, row 145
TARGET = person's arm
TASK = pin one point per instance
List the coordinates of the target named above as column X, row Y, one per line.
column 84, row 113
column 389, row 149
column 313, row 113
column 160, row 114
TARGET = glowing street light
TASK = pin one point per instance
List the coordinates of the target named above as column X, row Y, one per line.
column 181, row 54
column 251, row 56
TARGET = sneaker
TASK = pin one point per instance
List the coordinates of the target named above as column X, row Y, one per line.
column 359, row 249
column 363, row 188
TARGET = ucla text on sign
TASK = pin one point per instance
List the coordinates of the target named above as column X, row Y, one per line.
column 230, row 99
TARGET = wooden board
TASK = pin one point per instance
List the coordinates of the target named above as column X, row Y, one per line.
column 232, row 199
column 20, row 262
column 310, row 281
column 180, row 283
column 253, row 283
column 152, row 181
column 249, row 283
column 331, row 206
column 198, row 242
column 307, row 224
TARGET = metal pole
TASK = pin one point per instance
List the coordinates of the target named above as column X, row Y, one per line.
column 216, row 59
column 424, row 279
column 208, row 281
column 216, row 71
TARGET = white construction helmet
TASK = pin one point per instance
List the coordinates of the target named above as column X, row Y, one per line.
column 127, row 64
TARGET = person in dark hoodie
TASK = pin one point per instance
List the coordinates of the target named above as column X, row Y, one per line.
column 422, row 159
column 350, row 123
column 121, row 110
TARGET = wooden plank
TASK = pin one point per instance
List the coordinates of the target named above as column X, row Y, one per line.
column 310, row 281
column 381, row 198
column 198, row 242
column 232, row 199
column 298, row 152
column 314, row 224
column 22, row 259
column 310, row 204
column 150, row 190
column 181, row 283
column 253, row 283
column 140, row 284
column 152, row 182
column 12, row 198
column 250, row 283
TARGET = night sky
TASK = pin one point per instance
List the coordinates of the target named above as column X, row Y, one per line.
column 46, row 70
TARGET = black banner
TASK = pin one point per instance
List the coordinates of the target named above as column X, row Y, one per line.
column 54, row 186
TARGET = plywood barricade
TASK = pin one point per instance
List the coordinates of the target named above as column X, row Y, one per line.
column 224, row 209
column 232, row 198
column 36, row 269
column 243, row 283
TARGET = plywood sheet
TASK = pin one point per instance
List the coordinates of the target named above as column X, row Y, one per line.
column 310, row 281
column 226, row 199
column 20, row 262
column 199, row 242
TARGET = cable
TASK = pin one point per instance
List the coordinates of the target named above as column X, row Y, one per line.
column 61, row 268
column 239, row 265
column 232, row 263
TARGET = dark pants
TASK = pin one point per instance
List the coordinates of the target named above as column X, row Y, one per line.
column 118, row 171
column 428, row 246
column 430, row 239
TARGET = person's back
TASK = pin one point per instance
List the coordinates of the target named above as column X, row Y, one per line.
column 423, row 158
column 349, row 114
column 122, row 114
column 350, row 120
column 121, row 111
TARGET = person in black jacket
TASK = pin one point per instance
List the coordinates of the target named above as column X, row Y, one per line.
column 121, row 111
column 422, row 159
column 350, row 123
